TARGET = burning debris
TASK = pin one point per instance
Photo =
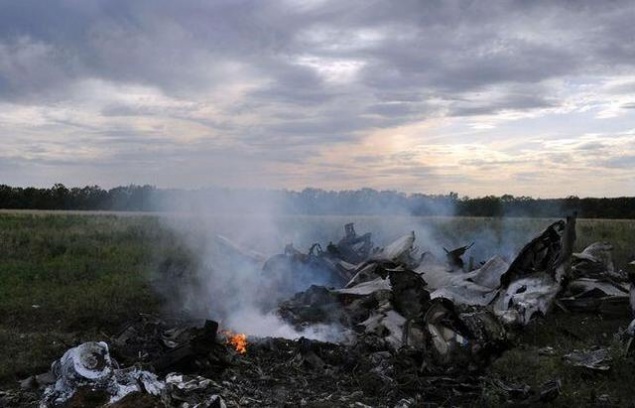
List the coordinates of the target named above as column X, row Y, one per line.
column 398, row 299
column 408, row 328
column 237, row 340
column 455, row 318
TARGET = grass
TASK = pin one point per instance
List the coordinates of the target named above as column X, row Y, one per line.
column 69, row 276
column 526, row 364
column 66, row 278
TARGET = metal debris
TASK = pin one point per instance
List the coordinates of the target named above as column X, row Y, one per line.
column 597, row 360
column 90, row 365
column 406, row 322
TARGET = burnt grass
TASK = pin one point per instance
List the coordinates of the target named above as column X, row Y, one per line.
column 70, row 278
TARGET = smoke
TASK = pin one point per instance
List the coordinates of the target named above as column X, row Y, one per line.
column 227, row 246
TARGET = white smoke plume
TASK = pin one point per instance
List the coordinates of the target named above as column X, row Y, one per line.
column 229, row 285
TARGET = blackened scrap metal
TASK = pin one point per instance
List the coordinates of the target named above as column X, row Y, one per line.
column 474, row 288
column 598, row 359
column 550, row 390
column 192, row 390
column 605, row 296
column 468, row 340
column 454, row 256
column 352, row 248
column 402, row 252
column 316, row 305
column 541, row 254
column 166, row 347
column 410, row 296
column 524, row 395
column 605, row 305
column 514, row 392
column 488, row 275
column 147, row 337
column 294, row 271
column 538, row 274
column 593, row 285
column 448, row 333
column 365, row 272
column 388, row 304
column 595, row 261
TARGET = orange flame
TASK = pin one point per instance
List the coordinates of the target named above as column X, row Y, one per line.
column 238, row 341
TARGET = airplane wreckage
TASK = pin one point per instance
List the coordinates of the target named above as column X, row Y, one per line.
column 415, row 330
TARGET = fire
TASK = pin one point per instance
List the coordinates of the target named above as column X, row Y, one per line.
column 238, row 341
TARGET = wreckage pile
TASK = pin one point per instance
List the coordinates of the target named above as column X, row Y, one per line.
column 412, row 330
column 399, row 298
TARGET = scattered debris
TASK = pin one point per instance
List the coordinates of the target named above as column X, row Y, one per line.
column 595, row 359
column 409, row 328
column 547, row 351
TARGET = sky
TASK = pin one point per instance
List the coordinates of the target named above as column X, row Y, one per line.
column 533, row 98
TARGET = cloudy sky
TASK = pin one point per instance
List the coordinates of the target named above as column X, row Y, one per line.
column 491, row 97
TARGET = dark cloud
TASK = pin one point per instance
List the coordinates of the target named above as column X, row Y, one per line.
column 514, row 100
column 397, row 109
column 592, row 146
column 181, row 47
column 620, row 162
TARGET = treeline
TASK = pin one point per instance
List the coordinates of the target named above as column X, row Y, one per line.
column 309, row 201
column 59, row 197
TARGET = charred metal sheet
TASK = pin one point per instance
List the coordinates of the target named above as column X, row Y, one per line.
column 352, row 248
column 454, row 257
column 595, row 261
column 192, row 391
column 530, row 286
column 486, row 277
column 387, row 325
column 467, row 293
column 476, row 288
column 410, row 297
column 294, row 271
column 490, row 273
column 401, row 250
column 542, row 254
column 596, row 296
column 448, row 335
column 585, row 287
column 597, row 360
column 316, row 305
column 594, row 285
column 368, row 271
column 468, row 340
column 526, row 297
column 366, row 288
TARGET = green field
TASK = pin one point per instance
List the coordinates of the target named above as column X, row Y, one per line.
column 66, row 278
